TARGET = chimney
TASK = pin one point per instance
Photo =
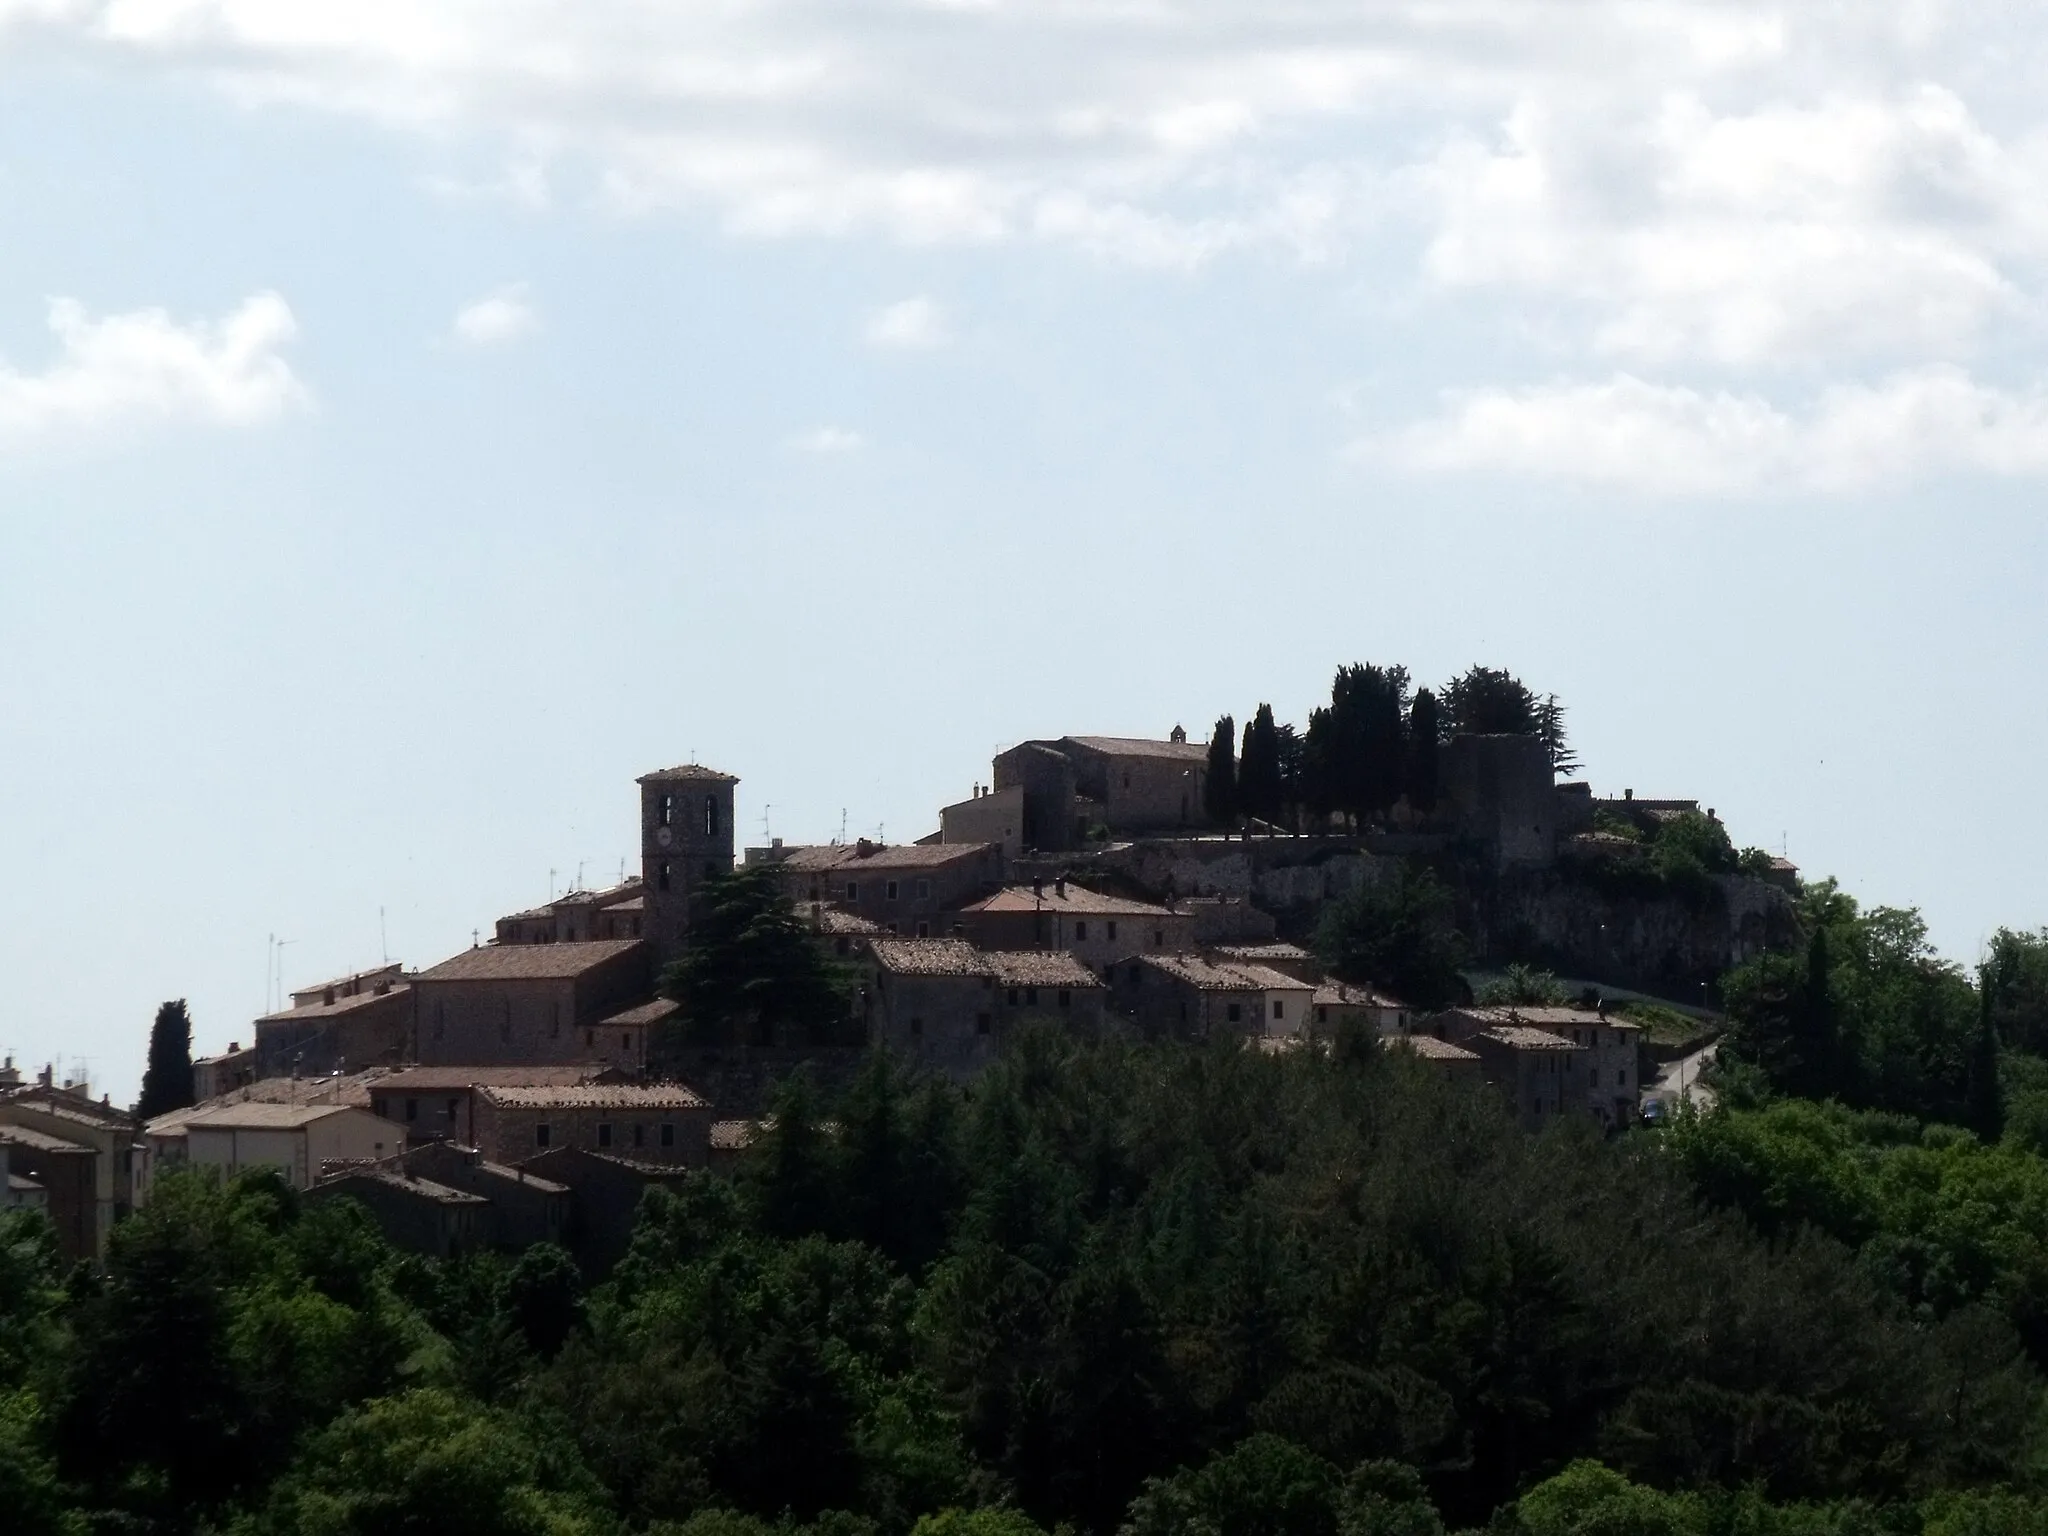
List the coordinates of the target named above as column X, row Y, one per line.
column 1059, row 887
column 1038, row 889
column 775, row 843
column 863, row 848
column 1628, row 794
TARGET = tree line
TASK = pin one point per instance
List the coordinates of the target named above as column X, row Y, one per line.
column 1373, row 746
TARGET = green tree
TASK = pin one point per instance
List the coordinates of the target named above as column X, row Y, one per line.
column 1397, row 934
column 1219, row 787
column 2016, row 965
column 1260, row 791
column 167, row 1079
column 1486, row 701
column 1320, row 754
column 1264, row 1486
column 1425, row 727
column 1367, row 709
column 751, row 972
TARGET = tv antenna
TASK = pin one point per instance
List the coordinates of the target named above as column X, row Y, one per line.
column 842, row 824
column 764, row 823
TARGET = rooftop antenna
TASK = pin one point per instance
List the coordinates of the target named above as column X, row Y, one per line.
column 842, row 824
column 551, row 883
column 278, row 1006
column 579, row 873
column 764, row 823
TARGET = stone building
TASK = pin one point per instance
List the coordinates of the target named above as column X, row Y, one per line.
column 300, row 1141
column 430, row 1105
column 415, row 1213
column 987, row 816
column 1337, row 1003
column 1095, row 929
column 1121, row 785
column 1499, row 792
column 651, row 1122
column 525, row 1004
column 1453, row 1061
column 686, row 838
column 344, row 1025
column 88, row 1155
column 578, row 916
column 1541, row 1073
column 1608, row 1067
column 944, row 1004
column 910, row 890
column 236, row 1067
column 605, row 1195
column 60, row 1177
column 1186, row 997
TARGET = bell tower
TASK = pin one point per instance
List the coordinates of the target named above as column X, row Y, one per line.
column 686, row 836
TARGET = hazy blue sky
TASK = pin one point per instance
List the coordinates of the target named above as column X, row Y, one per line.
column 418, row 419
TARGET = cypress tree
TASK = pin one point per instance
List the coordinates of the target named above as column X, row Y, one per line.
column 1984, row 1107
column 1219, row 790
column 1319, row 768
column 1817, row 1068
column 1424, row 728
column 167, row 1080
column 1258, row 774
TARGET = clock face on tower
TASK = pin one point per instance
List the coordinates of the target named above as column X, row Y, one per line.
column 664, row 835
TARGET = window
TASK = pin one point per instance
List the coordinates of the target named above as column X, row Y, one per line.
column 1111, row 929
column 1322, row 1013
column 924, row 890
column 1137, row 974
column 639, row 1134
column 839, row 945
column 663, row 874
column 381, row 1106
column 1621, row 1077
column 440, row 1020
column 1233, row 1013
column 626, row 1042
column 917, row 1029
column 1066, row 997
column 1012, row 998
column 853, row 890
column 454, row 1110
column 540, row 1134
column 1080, row 931
column 1158, row 938
column 668, row 1134
column 924, row 930
column 1031, row 997
column 590, row 1037
column 892, row 927
column 604, row 1135
column 982, row 1023
column 1127, row 780
column 555, row 1024
column 1593, row 1078
column 889, row 890
column 668, row 810
column 711, row 815
column 412, row 1109
column 505, row 1024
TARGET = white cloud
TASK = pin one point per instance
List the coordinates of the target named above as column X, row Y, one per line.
column 1631, row 435
column 910, row 325
column 828, row 440
column 502, row 315
column 143, row 367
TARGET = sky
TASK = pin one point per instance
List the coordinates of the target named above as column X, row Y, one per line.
column 419, row 419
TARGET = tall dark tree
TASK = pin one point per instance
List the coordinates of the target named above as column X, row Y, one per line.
column 752, row 971
column 1319, row 757
column 1815, row 1071
column 1219, row 789
column 1291, row 752
column 1486, row 701
column 167, row 1080
column 1550, row 726
column 1366, row 706
column 1424, row 727
column 1259, row 791
column 1984, row 1105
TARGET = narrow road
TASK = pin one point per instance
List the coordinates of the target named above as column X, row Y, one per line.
column 1679, row 1082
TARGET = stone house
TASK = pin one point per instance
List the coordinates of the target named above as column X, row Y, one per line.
column 1186, row 997
column 1338, row 1003
column 525, row 1004
column 1453, row 1061
column 87, row 1196
column 525, row 1208
column 651, row 1122
column 64, row 1176
column 1609, row 1065
column 1498, row 792
column 1278, row 954
column 1122, row 785
column 947, row 1005
column 987, row 816
column 300, row 1141
column 417, row 1214
column 1541, row 1073
column 909, row 890
column 236, row 1067
column 1096, row 929
column 579, row 916
column 605, row 1195
column 438, row 1104
column 344, row 1025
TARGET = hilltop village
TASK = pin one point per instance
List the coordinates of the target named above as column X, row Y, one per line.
column 531, row 1086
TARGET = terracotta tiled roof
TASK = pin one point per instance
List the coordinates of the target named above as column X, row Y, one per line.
column 832, row 920
column 734, row 1135
column 59, row 1105
column 446, row 1079
column 1432, row 1049
column 528, row 962
column 341, row 1005
column 1536, row 1016
column 1223, row 975
column 1339, row 994
column 262, row 1117
column 1138, row 746
column 1039, row 968
column 686, row 773
column 597, row 1096
column 1078, row 900
column 1526, row 1039
column 42, row 1141
column 1264, row 954
column 644, row 1015
column 389, row 972
column 426, row 1189
column 630, row 904
column 930, row 957
column 847, row 857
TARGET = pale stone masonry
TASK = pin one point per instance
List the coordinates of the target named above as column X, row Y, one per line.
column 652, row 1122
column 1187, row 997
column 945, row 1004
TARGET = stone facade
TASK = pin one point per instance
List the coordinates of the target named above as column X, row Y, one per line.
column 1125, row 785
column 1607, row 1067
column 1542, row 1074
column 686, row 837
column 1500, row 792
column 649, row 1122
column 579, row 916
column 1096, row 929
column 910, row 890
column 1185, row 997
column 340, row 1026
column 525, row 1004
column 987, row 816
column 946, row 1005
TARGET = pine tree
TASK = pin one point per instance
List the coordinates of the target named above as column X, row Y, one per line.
column 1817, row 1069
column 167, row 1080
column 1984, row 1105
column 1219, row 790
column 1424, row 728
